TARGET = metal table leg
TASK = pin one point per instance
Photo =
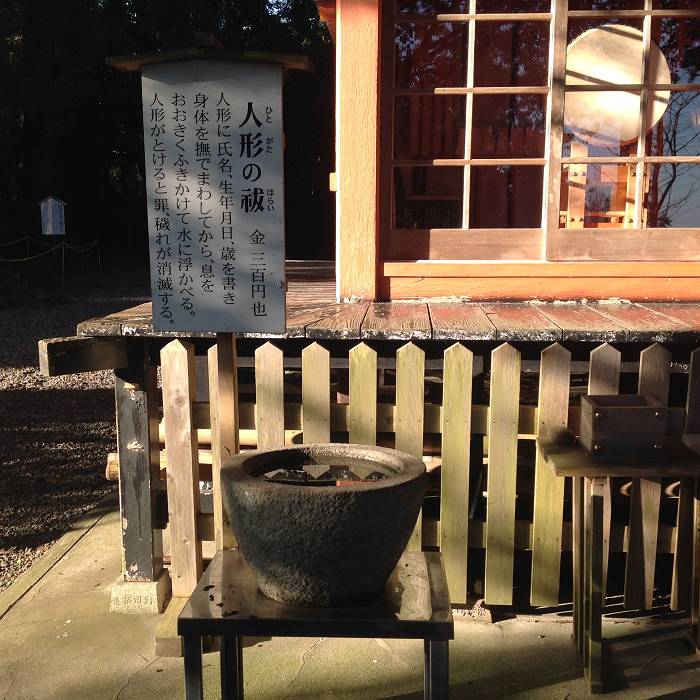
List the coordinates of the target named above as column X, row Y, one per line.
column 231, row 657
column 193, row 667
column 437, row 672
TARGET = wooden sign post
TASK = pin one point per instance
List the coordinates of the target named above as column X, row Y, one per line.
column 213, row 143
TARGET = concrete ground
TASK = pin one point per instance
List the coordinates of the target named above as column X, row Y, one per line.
column 58, row 640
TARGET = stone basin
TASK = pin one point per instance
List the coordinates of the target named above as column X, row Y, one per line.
column 327, row 545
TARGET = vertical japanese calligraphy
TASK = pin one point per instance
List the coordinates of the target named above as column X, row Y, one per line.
column 214, row 176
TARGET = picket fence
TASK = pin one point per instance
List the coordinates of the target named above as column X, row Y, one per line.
column 365, row 408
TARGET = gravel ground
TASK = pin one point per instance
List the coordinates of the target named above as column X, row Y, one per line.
column 55, row 433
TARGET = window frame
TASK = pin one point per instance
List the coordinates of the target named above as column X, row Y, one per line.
column 550, row 242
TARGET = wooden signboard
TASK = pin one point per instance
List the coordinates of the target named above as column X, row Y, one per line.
column 214, row 176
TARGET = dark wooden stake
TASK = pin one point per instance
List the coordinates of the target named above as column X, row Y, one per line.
column 139, row 466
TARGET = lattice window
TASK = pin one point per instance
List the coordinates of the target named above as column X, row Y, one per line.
column 502, row 135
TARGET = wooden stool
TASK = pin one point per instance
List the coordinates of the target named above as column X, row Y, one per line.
column 227, row 604
column 589, row 479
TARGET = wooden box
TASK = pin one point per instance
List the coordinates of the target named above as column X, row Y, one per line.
column 622, row 427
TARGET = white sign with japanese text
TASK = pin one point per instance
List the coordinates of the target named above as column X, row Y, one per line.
column 214, row 177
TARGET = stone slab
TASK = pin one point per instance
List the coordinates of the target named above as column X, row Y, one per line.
column 140, row 597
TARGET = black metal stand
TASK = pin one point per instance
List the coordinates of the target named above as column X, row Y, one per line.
column 227, row 604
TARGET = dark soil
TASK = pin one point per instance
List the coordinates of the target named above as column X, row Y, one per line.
column 55, row 433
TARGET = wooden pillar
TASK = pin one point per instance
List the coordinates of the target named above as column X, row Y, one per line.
column 357, row 132
column 139, row 467
column 555, row 128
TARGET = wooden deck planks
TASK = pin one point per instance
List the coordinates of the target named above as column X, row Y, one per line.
column 645, row 325
column 397, row 321
column 688, row 314
column 301, row 316
column 579, row 322
column 460, row 321
column 515, row 322
column 312, row 312
column 344, row 325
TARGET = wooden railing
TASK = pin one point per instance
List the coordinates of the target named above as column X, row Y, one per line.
column 444, row 434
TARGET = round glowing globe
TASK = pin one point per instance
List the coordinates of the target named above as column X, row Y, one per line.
column 612, row 55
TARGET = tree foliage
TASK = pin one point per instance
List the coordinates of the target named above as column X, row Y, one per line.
column 71, row 125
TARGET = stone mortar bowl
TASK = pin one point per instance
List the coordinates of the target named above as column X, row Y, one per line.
column 323, row 546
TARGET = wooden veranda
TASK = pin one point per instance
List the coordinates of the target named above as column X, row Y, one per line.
column 439, row 378
column 313, row 313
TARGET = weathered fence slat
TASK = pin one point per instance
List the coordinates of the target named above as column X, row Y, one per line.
column 684, row 580
column 316, row 394
column 454, row 473
column 604, row 379
column 363, row 395
column 654, row 379
column 410, row 382
column 269, row 396
column 223, row 407
column 503, row 457
column 177, row 360
column 549, row 489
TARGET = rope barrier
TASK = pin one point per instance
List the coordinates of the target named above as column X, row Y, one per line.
column 32, row 257
column 19, row 240
column 76, row 249
column 83, row 248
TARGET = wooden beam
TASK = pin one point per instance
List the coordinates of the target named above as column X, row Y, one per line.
column 326, row 12
column 357, row 130
column 81, row 354
column 640, row 181
column 546, row 288
column 136, row 399
column 452, row 244
column 168, row 641
column 137, row 62
column 468, row 116
column 583, row 269
column 620, row 245
column 555, row 126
